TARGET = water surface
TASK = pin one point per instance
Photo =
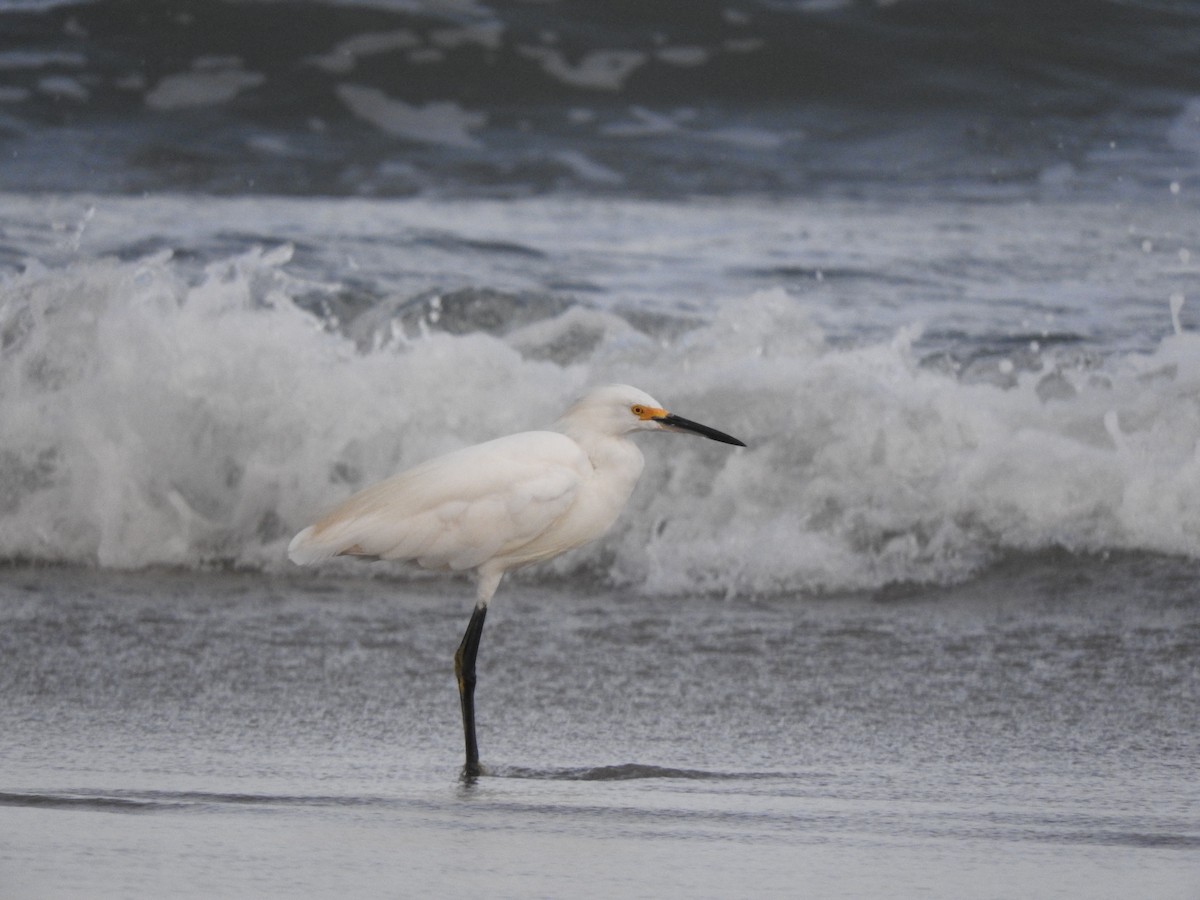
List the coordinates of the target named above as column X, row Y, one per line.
column 1030, row 733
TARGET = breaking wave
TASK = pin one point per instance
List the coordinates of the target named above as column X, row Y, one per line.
column 160, row 411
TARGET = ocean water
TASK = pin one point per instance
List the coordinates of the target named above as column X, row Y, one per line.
column 934, row 632
column 966, row 380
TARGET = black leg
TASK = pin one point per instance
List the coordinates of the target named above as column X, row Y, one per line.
column 464, row 669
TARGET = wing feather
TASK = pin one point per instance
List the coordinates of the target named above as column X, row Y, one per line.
column 459, row 510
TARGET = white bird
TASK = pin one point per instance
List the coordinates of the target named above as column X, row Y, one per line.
column 501, row 505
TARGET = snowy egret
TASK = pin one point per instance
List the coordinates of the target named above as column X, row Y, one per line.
column 501, row 505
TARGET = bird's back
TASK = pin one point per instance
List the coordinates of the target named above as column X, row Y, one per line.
column 456, row 511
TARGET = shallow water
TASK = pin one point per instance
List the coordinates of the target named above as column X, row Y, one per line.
column 1031, row 733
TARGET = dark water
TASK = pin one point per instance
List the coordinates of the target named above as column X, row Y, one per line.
column 661, row 99
column 1032, row 733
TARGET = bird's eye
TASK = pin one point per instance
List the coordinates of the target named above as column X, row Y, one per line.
column 638, row 410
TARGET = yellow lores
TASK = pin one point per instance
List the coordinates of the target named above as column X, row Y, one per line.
column 501, row 505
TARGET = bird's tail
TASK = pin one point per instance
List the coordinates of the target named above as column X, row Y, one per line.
column 304, row 550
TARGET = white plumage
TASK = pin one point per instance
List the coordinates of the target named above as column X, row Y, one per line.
column 457, row 511
column 501, row 505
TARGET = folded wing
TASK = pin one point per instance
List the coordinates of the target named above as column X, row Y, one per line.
column 458, row 510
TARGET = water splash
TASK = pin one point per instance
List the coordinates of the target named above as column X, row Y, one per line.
column 158, row 414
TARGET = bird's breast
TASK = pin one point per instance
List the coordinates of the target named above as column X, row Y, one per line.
column 598, row 502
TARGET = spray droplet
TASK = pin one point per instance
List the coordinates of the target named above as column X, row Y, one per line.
column 1176, row 301
column 1112, row 424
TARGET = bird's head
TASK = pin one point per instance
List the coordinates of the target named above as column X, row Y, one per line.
column 617, row 409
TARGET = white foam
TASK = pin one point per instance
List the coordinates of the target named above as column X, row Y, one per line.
column 12, row 60
column 346, row 54
column 1184, row 132
column 63, row 87
column 205, row 86
column 752, row 138
column 433, row 123
column 160, row 413
column 488, row 35
column 604, row 70
column 587, row 168
column 645, row 123
column 685, row 56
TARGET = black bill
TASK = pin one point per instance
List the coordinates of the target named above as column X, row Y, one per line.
column 678, row 423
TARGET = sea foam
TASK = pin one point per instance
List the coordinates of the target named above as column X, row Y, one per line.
column 157, row 413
